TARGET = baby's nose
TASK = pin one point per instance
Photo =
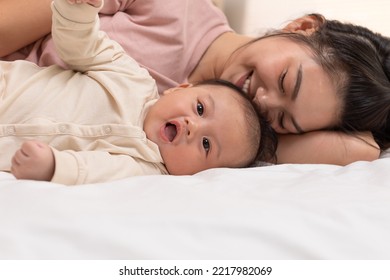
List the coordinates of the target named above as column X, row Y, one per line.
column 191, row 127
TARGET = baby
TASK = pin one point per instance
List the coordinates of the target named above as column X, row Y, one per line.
column 103, row 119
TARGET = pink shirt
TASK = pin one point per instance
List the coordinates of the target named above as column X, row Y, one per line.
column 168, row 37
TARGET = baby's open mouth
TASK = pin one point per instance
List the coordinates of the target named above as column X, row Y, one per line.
column 170, row 131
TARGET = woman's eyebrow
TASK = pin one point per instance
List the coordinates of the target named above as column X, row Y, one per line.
column 297, row 126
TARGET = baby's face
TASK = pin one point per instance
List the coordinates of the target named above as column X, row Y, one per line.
column 198, row 128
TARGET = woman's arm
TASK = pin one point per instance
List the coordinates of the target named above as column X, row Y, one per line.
column 22, row 22
column 327, row 147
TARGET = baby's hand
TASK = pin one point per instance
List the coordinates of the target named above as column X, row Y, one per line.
column 34, row 160
column 95, row 3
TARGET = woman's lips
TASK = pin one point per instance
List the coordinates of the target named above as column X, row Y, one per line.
column 241, row 81
column 244, row 83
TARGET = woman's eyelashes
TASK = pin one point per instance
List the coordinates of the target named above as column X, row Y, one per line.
column 281, row 120
column 281, row 82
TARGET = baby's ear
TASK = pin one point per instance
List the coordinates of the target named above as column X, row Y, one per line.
column 181, row 86
column 305, row 25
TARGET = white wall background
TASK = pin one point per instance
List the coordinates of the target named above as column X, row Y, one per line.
column 252, row 17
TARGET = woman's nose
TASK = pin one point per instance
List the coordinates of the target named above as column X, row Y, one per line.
column 270, row 105
column 269, row 99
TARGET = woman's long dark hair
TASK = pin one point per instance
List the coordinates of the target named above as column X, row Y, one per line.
column 366, row 59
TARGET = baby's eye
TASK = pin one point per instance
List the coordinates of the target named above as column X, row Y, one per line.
column 206, row 144
column 199, row 109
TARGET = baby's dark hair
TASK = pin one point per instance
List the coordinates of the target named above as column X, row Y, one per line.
column 261, row 136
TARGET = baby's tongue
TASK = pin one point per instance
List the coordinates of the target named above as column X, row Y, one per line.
column 170, row 132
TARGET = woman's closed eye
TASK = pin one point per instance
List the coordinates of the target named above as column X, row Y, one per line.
column 288, row 123
column 281, row 119
column 281, row 82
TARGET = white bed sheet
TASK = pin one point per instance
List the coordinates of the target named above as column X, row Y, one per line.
column 273, row 212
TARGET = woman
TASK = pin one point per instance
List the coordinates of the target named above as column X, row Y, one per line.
column 195, row 35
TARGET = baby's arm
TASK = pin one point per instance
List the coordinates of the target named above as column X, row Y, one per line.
column 84, row 167
column 79, row 41
column 38, row 161
column 34, row 160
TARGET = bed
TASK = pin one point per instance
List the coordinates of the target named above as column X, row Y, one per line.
column 301, row 211
column 280, row 212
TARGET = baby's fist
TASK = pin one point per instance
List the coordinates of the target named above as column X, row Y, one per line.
column 34, row 160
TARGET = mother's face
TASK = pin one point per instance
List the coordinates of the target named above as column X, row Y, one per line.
column 291, row 89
